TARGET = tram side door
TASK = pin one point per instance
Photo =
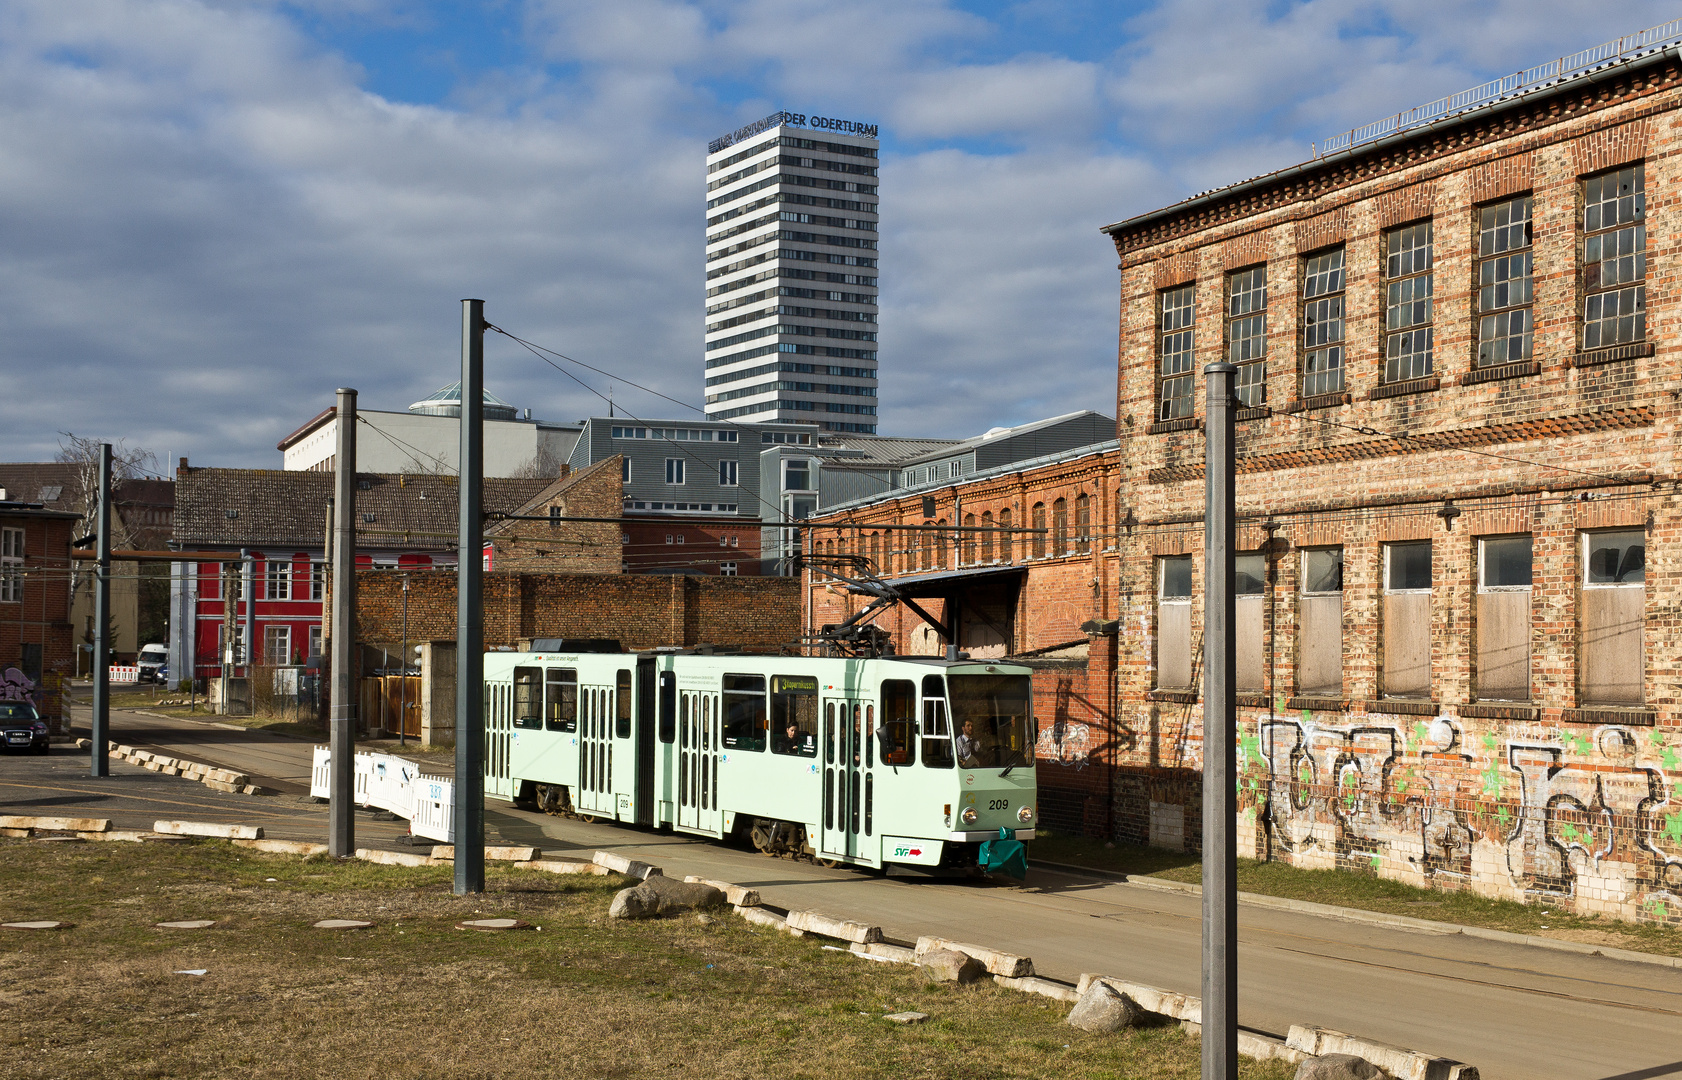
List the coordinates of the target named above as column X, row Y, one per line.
column 845, row 744
column 695, row 756
column 595, row 750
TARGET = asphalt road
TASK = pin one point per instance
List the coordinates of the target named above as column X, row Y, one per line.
column 1517, row 1012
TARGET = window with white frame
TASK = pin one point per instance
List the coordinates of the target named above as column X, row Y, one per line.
column 1249, row 584
column 315, row 641
column 318, row 580
column 674, row 470
column 1505, row 574
column 1407, row 619
column 1614, row 603
column 1408, row 286
column 1173, row 622
column 277, row 580
column 11, row 566
column 727, row 569
column 1176, row 313
column 1320, row 650
column 1615, row 258
column 624, row 470
column 277, row 645
column 727, row 474
column 1246, row 333
column 1505, row 323
column 1322, row 323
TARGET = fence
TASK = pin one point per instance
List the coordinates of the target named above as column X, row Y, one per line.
column 395, row 784
column 1579, row 63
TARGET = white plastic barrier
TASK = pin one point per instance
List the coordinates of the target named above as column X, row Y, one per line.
column 362, row 767
column 434, row 809
column 390, row 783
column 319, row 773
column 124, row 673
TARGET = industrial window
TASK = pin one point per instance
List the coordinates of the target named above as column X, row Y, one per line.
column 1249, row 585
column 936, row 728
column 277, row 580
column 940, row 546
column 744, row 712
column 1039, row 530
column 1320, row 650
column 1083, row 524
column 1007, row 543
column 624, row 470
column 987, row 536
column 797, row 474
column 674, row 470
column 727, row 474
column 560, row 699
column 1407, row 303
column 1614, row 258
column 727, row 569
column 1060, row 527
column 11, row 566
column 1173, row 622
column 1505, row 322
column 1613, row 617
column 1177, row 310
column 528, row 697
column 1503, row 614
column 794, row 715
column 277, row 645
column 1246, row 333
column 1407, row 619
column 876, row 550
column 968, row 540
column 1322, row 323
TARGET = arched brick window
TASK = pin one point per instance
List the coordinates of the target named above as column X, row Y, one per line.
column 940, row 546
column 1007, row 540
column 1083, row 523
column 1060, row 527
column 1039, row 536
column 968, row 557
column 987, row 537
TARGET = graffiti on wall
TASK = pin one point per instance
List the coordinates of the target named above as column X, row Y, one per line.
column 1591, row 819
column 16, row 686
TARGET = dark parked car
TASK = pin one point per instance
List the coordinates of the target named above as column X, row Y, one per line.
column 21, row 727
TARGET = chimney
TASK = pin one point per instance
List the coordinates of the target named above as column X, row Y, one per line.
column 183, row 467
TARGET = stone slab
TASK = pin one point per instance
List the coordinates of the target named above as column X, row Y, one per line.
column 208, row 828
column 497, row 853
column 619, row 864
column 393, row 858
column 38, row 924
column 186, row 924
column 813, row 922
column 56, row 824
column 761, row 917
column 342, row 924
column 1400, row 1062
column 736, row 894
column 566, row 866
column 1032, row 984
column 881, row 950
column 493, row 925
column 1009, row 965
column 283, row 847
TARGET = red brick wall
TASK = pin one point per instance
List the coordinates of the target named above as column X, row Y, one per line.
column 42, row 616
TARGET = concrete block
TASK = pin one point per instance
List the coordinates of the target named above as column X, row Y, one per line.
column 1265, row 1048
column 1402, row 1063
column 761, row 917
column 56, row 824
column 208, row 828
column 619, row 864
column 393, row 858
column 15, row 834
column 253, row 789
column 881, row 950
column 1150, row 998
column 736, row 894
column 813, row 922
column 283, row 847
column 132, row 836
column 997, row 963
column 1032, row 984
column 564, row 866
column 217, row 785
column 496, row 853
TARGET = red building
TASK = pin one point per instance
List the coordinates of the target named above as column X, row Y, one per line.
column 35, row 646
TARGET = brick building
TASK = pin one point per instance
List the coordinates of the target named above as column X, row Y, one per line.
column 35, row 628
column 1457, row 571
column 559, row 545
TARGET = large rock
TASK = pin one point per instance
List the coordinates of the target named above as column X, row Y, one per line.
column 1102, row 1009
column 1339, row 1067
column 946, row 965
column 659, row 895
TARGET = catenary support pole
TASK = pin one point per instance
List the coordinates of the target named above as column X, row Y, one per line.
column 248, row 592
column 341, row 739
column 470, row 631
column 1220, row 848
column 101, row 722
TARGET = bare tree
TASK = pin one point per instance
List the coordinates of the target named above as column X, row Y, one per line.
column 127, row 463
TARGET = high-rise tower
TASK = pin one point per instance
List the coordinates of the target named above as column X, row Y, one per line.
column 791, row 273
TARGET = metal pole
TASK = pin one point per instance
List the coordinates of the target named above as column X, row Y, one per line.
column 341, row 713
column 403, row 669
column 248, row 593
column 101, row 722
column 1220, row 847
column 470, row 630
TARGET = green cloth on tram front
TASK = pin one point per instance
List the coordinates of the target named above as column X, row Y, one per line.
column 1005, row 853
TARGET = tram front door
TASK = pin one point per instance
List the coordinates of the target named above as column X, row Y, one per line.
column 848, row 758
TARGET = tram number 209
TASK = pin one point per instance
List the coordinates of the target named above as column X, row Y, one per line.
column 998, row 804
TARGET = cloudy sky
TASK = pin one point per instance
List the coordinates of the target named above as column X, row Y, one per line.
column 213, row 212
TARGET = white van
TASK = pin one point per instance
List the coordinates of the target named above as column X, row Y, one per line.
column 153, row 662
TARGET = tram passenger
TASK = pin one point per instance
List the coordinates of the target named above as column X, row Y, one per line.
column 789, row 741
column 968, row 746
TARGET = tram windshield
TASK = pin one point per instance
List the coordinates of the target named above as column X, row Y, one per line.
column 991, row 718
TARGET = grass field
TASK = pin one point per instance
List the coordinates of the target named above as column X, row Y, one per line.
column 1366, row 892
column 413, row 997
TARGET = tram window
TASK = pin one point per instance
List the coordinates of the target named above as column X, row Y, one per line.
column 560, row 692
column 668, row 706
column 528, row 701
column 622, row 723
column 794, row 715
column 937, row 729
column 899, row 711
column 869, row 802
column 829, row 733
column 683, row 723
column 869, row 743
column 858, row 731
column 744, row 712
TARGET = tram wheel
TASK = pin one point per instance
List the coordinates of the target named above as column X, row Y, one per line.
column 588, row 819
column 764, row 840
column 830, row 864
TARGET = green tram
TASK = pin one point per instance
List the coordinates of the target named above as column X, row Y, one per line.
column 862, row 761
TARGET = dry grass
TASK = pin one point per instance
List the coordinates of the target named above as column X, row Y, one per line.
column 1367, row 892
column 414, row 997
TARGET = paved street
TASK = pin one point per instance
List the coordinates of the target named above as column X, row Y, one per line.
column 1516, row 1011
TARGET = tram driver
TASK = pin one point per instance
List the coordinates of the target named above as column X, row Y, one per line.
column 968, row 746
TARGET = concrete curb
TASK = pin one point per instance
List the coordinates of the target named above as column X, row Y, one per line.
column 1379, row 918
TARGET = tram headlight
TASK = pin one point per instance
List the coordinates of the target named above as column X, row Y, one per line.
column 970, row 816
column 1025, row 815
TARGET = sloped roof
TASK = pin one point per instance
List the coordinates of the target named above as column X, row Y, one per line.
column 876, row 450
column 255, row 507
column 549, row 492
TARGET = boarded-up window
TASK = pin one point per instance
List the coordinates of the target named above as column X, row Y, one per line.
column 1320, row 650
column 1060, row 527
column 1613, row 618
column 1173, row 623
column 1503, row 631
column 1249, row 618
column 1039, row 533
column 1407, row 619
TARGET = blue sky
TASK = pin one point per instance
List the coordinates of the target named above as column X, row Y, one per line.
column 218, row 211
